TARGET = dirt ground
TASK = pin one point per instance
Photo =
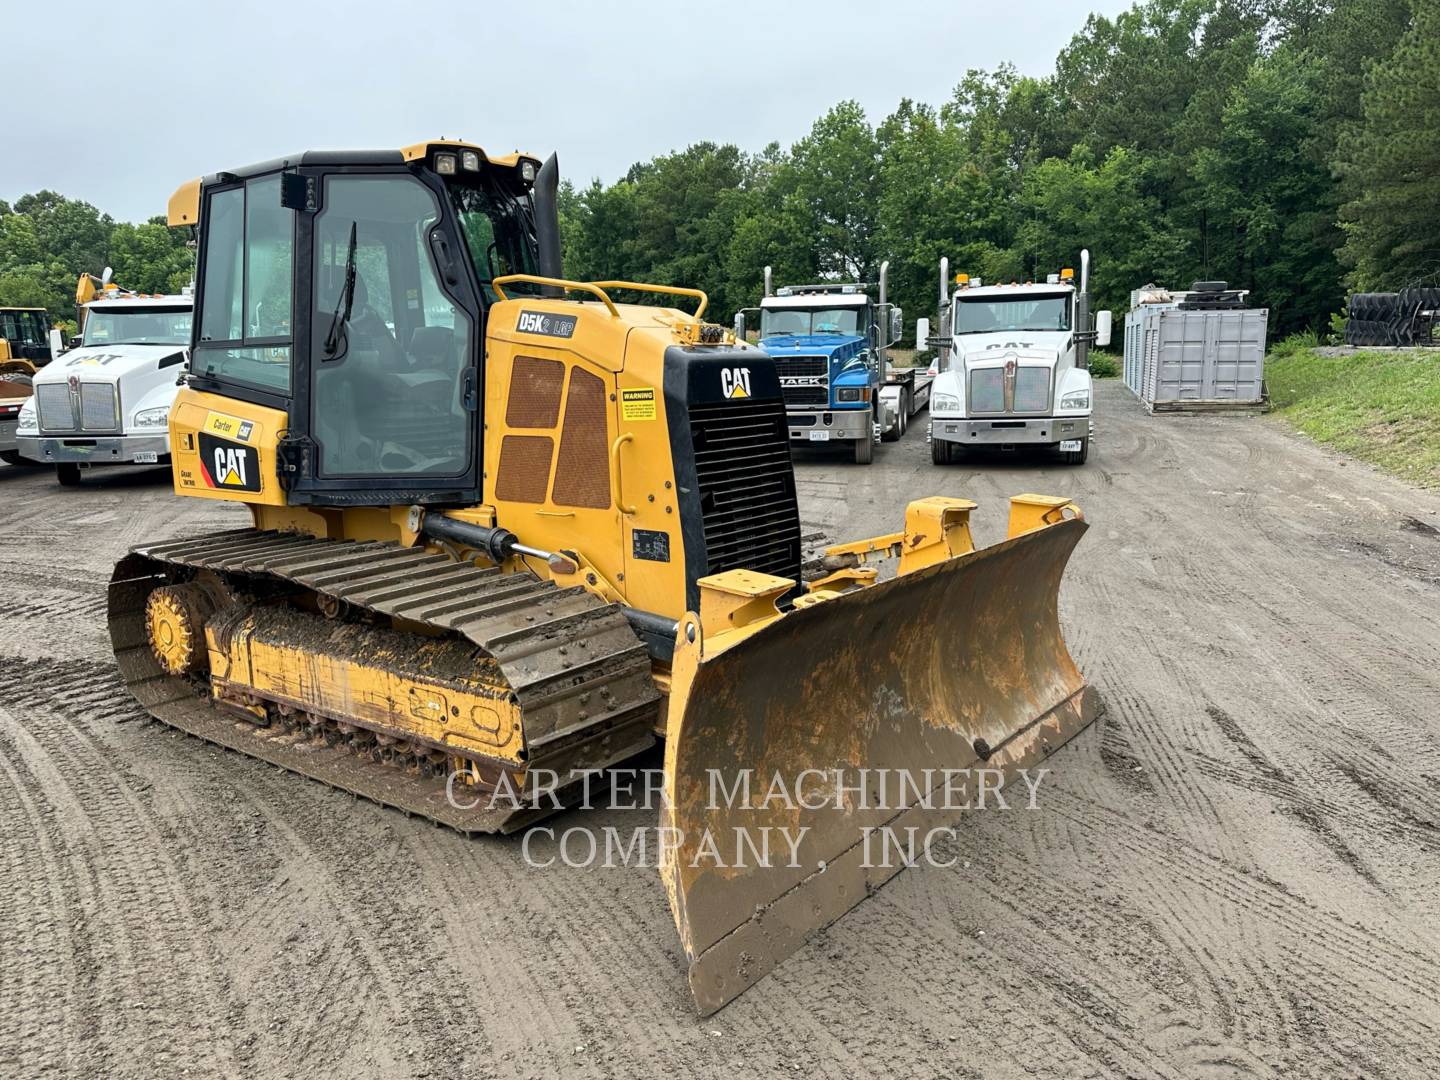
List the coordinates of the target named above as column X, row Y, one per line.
column 1236, row 872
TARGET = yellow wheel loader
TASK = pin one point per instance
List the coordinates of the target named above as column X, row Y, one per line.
column 503, row 540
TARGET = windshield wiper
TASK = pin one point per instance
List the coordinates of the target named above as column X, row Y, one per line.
column 347, row 298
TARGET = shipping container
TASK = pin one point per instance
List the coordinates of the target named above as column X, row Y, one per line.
column 1176, row 359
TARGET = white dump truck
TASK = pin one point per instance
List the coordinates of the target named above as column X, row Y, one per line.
column 107, row 400
column 1013, row 365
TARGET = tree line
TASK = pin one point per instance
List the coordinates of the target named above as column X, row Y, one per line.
column 47, row 241
column 1291, row 147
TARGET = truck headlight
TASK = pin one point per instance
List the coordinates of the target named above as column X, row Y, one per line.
column 26, row 423
column 850, row 393
column 944, row 403
column 1077, row 399
column 153, row 417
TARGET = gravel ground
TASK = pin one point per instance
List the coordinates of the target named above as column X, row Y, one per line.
column 1236, row 872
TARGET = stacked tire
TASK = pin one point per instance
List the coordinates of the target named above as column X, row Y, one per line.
column 1396, row 319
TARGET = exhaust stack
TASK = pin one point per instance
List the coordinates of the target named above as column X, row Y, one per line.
column 545, row 195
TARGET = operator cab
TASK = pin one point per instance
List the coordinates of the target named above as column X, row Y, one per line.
column 350, row 289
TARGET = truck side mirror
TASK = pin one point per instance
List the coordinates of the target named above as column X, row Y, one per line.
column 922, row 333
column 897, row 325
column 740, row 326
column 1103, row 321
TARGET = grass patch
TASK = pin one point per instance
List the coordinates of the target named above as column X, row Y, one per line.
column 1383, row 408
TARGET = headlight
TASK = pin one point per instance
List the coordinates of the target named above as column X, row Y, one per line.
column 944, row 403
column 153, row 417
column 850, row 393
column 1079, row 399
column 26, row 423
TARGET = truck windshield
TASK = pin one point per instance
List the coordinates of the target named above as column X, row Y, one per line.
column 142, row 326
column 798, row 321
column 987, row 315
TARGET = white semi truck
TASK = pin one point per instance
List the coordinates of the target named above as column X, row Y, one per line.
column 1013, row 365
column 107, row 400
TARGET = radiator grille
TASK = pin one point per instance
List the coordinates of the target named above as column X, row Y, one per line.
column 582, row 471
column 987, row 390
column 804, row 367
column 99, row 407
column 747, row 487
column 788, row 367
column 524, row 471
column 806, row 395
column 53, row 402
column 534, row 393
column 1032, row 390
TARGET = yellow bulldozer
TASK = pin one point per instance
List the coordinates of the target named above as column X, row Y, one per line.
column 24, row 342
column 503, row 540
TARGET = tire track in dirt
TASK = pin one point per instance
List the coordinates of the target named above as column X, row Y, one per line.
column 133, row 904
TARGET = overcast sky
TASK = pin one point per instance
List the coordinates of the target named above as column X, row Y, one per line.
column 118, row 105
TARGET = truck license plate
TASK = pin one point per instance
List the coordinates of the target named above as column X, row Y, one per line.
column 146, row 457
column 1070, row 444
column 819, row 436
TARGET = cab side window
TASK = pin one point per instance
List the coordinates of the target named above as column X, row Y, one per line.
column 245, row 289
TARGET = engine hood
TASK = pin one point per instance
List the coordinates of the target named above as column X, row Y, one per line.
column 813, row 344
column 1029, row 355
column 1026, row 343
column 109, row 363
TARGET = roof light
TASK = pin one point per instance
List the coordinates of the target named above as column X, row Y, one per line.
column 527, row 171
column 962, row 279
column 1066, row 274
column 470, row 161
column 848, row 289
column 445, row 164
column 1052, row 279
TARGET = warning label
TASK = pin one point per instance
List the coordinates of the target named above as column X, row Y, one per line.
column 637, row 404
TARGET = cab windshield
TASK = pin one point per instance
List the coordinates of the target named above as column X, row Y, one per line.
column 142, row 326
column 991, row 314
column 801, row 321
column 499, row 231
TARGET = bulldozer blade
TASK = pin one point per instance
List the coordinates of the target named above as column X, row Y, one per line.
column 873, row 712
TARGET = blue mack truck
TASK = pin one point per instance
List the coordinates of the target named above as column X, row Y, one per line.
column 829, row 345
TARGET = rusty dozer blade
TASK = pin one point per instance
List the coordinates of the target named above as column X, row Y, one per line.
column 955, row 664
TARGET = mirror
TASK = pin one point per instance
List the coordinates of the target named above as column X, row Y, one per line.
column 1103, row 321
column 740, row 326
column 922, row 333
column 897, row 324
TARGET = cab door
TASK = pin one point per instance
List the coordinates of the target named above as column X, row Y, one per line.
column 389, row 390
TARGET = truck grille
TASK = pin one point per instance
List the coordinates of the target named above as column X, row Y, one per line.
column 804, row 367
column 806, row 395
column 1032, row 390
column 747, row 488
column 987, row 390
column 53, row 402
column 1031, row 393
column 788, row 367
column 99, row 407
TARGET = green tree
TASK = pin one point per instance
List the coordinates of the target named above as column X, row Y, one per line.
column 837, row 187
column 1390, row 164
